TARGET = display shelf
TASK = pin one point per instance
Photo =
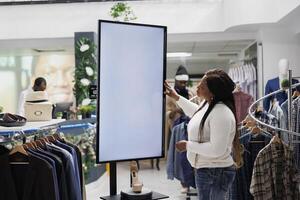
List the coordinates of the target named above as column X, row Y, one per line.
column 30, row 126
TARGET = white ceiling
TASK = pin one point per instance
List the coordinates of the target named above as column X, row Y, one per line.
column 205, row 54
column 26, row 47
column 209, row 47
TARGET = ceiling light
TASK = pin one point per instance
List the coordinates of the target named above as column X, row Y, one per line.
column 48, row 50
column 179, row 54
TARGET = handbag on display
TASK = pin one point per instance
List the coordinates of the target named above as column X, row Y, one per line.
column 37, row 107
column 11, row 120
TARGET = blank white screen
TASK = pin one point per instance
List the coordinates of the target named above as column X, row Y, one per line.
column 131, row 91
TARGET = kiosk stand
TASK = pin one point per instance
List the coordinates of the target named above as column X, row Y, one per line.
column 127, row 195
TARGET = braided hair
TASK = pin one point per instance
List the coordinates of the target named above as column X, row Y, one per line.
column 222, row 86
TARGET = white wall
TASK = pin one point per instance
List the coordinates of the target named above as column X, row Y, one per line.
column 277, row 44
column 196, row 68
column 181, row 16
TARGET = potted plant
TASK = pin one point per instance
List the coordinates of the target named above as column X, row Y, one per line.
column 86, row 110
column 122, row 9
column 59, row 115
column 79, row 115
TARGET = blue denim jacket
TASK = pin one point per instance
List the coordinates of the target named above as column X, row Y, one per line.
column 177, row 164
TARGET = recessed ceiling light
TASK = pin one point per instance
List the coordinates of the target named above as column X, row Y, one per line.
column 179, row 54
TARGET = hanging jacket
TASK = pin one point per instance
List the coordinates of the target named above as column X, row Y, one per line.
column 177, row 164
column 32, row 181
column 271, row 86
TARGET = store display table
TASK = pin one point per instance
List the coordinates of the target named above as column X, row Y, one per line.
column 155, row 196
column 30, row 126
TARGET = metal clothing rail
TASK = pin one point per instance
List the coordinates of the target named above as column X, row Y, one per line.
column 12, row 134
column 252, row 106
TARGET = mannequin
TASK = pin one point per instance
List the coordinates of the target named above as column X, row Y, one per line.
column 275, row 84
column 283, row 69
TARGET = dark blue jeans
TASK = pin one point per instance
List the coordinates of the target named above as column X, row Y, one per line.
column 214, row 183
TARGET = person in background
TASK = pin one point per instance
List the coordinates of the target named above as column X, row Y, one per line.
column 212, row 135
column 181, row 81
column 40, row 84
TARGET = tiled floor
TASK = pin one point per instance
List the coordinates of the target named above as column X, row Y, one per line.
column 152, row 178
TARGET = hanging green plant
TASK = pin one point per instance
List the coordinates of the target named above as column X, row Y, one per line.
column 122, row 10
column 85, row 72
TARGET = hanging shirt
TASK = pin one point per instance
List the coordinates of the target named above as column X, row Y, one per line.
column 74, row 157
column 277, row 111
column 295, row 115
column 242, row 103
column 273, row 175
column 254, row 81
column 252, row 145
column 61, row 176
column 54, row 174
column 72, row 185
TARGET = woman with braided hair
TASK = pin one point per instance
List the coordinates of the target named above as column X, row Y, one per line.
column 213, row 147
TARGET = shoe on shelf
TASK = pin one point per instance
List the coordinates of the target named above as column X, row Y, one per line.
column 136, row 184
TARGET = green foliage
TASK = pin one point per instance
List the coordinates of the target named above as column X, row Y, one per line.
column 285, row 83
column 87, row 60
column 86, row 142
column 87, row 109
column 1, row 109
column 122, row 10
column 59, row 114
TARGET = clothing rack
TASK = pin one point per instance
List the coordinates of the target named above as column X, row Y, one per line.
column 13, row 134
column 253, row 105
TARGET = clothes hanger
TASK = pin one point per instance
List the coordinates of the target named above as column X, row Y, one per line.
column 29, row 145
column 57, row 137
column 25, row 147
column 255, row 130
column 18, row 149
column 296, row 94
column 276, row 139
column 18, row 156
column 51, row 138
column 40, row 143
column 44, row 140
column 237, row 88
column 250, row 124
